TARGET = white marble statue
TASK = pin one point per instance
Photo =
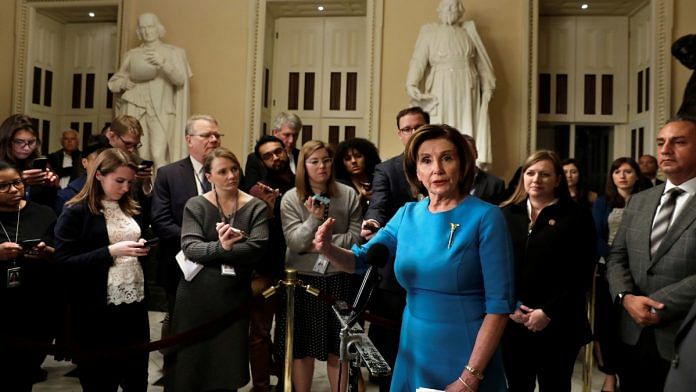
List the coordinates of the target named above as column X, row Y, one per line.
column 451, row 77
column 152, row 86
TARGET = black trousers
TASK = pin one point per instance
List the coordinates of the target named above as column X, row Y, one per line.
column 389, row 305
column 530, row 357
column 124, row 325
column 641, row 367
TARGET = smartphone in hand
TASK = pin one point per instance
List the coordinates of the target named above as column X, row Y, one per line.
column 29, row 244
column 40, row 163
column 151, row 242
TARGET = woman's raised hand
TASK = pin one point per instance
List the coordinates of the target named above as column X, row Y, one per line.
column 322, row 238
column 227, row 235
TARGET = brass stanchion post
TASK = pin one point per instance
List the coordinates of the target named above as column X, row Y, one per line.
column 290, row 282
column 589, row 348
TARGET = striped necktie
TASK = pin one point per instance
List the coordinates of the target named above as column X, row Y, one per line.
column 662, row 220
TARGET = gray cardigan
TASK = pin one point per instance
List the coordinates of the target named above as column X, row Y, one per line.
column 299, row 227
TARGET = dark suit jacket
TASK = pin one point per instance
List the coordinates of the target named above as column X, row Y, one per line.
column 390, row 190
column 488, row 187
column 174, row 185
column 554, row 265
column 669, row 277
column 255, row 170
column 682, row 374
column 55, row 160
column 82, row 243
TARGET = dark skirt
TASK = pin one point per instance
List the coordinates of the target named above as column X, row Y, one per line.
column 316, row 327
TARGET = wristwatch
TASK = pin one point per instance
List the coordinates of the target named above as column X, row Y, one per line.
column 620, row 297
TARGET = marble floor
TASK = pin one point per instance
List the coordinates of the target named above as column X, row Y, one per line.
column 57, row 382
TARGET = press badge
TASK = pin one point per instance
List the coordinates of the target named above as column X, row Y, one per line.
column 228, row 270
column 321, row 265
column 14, row 277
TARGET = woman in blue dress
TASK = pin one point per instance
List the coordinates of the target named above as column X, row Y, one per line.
column 454, row 258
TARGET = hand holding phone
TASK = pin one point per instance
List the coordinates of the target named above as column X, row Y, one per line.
column 30, row 244
column 240, row 232
column 151, row 242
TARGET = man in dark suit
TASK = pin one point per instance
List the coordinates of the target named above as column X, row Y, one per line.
column 286, row 127
column 650, row 268
column 66, row 161
column 174, row 185
column 648, row 167
column 487, row 187
column 390, row 191
column 682, row 374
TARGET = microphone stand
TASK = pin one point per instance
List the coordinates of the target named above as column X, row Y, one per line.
column 355, row 347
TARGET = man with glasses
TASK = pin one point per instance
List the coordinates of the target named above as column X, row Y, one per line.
column 286, row 127
column 390, row 191
column 278, row 180
column 174, row 185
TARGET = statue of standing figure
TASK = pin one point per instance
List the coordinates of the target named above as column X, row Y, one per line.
column 451, row 76
column 153, row 86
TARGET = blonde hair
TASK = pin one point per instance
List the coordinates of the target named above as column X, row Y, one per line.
column 92, row 193
column 561, row 191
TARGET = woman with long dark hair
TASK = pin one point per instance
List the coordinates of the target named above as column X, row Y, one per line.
column 624, row 180
column 19, row 146
column 577, row 186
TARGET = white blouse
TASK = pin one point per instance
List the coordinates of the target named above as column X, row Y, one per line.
column 126, row 281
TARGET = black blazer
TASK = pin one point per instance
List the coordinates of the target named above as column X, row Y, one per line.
column 55, row 160
column 554, row 265
column 488, row 187
column 82, row 245
column 174, row 185
column 390, row 190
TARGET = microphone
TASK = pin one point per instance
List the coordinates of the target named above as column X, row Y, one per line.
column 376, row 257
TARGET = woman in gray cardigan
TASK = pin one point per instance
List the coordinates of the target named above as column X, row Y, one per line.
column 211, row 237
column 303, row 209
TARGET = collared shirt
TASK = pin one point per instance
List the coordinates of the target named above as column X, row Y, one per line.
column 291, row 161
column 689, row 188
column 197, row 170
column 67, row 162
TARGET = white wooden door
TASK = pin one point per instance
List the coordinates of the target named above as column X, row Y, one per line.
column 318, row 73
column 69, row 65
column 640, row 138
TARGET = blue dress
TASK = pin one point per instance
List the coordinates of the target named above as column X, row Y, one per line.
column 449, row 290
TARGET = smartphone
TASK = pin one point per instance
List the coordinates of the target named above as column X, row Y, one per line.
column 151, row 242
column 144, row 164
column 371, row 227
column 40, row 163
column 242, row 232
column 29, row 244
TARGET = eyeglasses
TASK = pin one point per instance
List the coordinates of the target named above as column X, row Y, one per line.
column 317, row 162
column 207, row 136
column 21, row 143
column 5, row 186
column 129, row 145
column 278, row 152
column 410, row 130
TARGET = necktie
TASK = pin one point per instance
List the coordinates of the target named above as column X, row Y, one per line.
column 662, row 219
column 205, row 184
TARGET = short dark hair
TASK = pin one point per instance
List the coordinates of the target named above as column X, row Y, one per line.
column 465, row 153
column 364, row 147
column 263, row 140
column 412, row 110
column 683, row 117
